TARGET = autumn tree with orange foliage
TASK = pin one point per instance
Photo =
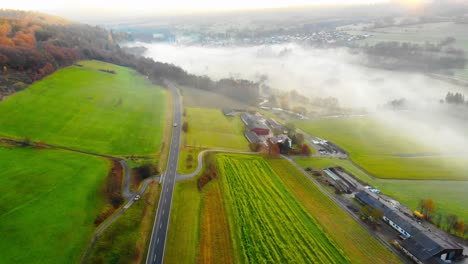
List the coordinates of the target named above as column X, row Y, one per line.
column 5, row 29
column 22, row 39
column 427, row 207
column 273, row 149
column 305, row 150
column 6, row 41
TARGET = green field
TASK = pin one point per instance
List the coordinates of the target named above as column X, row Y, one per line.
column 385, row 152
column 450, row 196
column 48, row 202
column 209, row 128
column 199, row 98
column 269, row 224
column 87, row 109
column 184, row 224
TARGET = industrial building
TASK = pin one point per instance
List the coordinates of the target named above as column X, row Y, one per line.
column 420, row 245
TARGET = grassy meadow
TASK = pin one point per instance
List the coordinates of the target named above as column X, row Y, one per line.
column 199, row 98
column 450, row 196
column 385, row 152
column 185, row 166
column 209, row 128
column 88, row 109
column 48, row 202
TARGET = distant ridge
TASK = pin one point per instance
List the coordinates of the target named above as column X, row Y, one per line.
column 33, row 16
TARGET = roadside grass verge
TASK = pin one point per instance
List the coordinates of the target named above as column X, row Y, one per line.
column 125, row 240
column 348, row 235
column 450, row 196
column 184, row 232
column 49, row 200
column 88, row 109
column 167, row 132
column 385, row 152
column 267, row 221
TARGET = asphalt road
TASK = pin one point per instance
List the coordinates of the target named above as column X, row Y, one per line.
column 126, row 188
column 161, row 222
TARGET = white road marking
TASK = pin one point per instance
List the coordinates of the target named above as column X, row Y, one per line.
column 157, row 242
column 160, row 226
column 163, row 211
column 154, row 259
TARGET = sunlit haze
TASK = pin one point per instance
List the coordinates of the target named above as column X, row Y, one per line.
column 148, row 5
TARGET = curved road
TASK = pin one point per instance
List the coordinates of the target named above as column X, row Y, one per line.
column 161, row 222
column 181, row 177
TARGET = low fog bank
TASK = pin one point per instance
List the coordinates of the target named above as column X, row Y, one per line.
column 338, row 73
column 440, row 128
column 312, row 72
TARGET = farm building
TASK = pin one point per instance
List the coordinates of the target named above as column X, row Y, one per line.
column 339, row 180
column 252, row 137
column 419, row 244
column 283, row 141
column 427, row 248
column 275, row 126
column 254, row 123
column 403, row 226
column 280, row 139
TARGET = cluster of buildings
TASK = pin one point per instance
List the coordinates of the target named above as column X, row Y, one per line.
column 420, row 244
column 260, row 130
column 322, row 37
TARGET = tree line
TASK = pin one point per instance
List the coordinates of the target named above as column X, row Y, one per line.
column 449, row 222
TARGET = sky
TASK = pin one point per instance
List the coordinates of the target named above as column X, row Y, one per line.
column 172, row 5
